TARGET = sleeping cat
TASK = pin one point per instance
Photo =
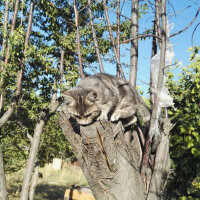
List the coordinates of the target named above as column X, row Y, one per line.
column 104, row 97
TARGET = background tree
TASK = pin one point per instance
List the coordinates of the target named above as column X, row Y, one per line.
column 40, row 61
column 185, row 139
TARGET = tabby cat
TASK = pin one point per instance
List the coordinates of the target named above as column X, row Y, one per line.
column 104, row 97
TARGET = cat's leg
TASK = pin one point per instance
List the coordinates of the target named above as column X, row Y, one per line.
column 105, row 109
column 123, row 113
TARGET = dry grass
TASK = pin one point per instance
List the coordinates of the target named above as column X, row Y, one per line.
column 67, row 176
column 53, row 183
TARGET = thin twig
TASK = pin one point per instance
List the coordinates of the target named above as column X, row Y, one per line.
column 194, row 32
column 140, row 36
column 85, row 6
column 118, row 36
column 178, row 11
column 187, row 25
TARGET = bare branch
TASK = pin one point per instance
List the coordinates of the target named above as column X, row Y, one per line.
column 5, row 25
column 134, row 43
column 179, row 11
column 88, row 5
column 14, row 18
column 187, row 25
column 140, row 36
column 194, row 32
column 112, row 39
column 3, row 49
column 28, row 32
column 78, row 40
column 118, row 36
column 96, row 45
column 160, row 80
column 155, row 30
column 125, row 17
column 61, row 64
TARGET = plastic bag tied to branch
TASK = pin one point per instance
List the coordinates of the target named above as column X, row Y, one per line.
column 165, row 100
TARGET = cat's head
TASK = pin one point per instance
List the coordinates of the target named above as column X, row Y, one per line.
column 81, row 104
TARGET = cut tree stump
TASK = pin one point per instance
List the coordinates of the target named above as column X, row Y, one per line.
column 110, row 165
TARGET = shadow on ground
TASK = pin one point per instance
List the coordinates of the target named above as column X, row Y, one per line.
column 43, row 192
column 49, row 192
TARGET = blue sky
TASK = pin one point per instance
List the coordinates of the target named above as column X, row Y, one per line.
column 181, row 42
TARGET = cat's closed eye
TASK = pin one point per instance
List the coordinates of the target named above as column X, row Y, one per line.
column 88, row 115
column 77, row 116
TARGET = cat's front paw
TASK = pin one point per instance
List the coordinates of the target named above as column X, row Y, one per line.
column 115, row 117
column 103, row 117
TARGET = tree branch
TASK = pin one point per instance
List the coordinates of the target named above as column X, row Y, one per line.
column 140, row 36
column 187, row 25
column 11, row 107
column 159, row 85
column 134, row 43
column 194, row 32
column 43, row 119
column 14, row 18
column 112, row 39
column 118, row 36
column 96, row 45
column 78, row 40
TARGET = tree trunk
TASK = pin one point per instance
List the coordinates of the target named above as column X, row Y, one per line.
column 3, row 189
column 34, row 181
column 44, row 117
column 111, row 167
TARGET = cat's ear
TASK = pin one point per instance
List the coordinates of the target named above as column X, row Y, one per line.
column 68, row 100
column 92, row 96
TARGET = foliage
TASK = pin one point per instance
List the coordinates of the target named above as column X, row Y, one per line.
column 53, row 29
column 16, row 143
column 185, row 138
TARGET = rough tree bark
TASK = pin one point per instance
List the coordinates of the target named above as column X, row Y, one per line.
column 111, row 167
column 3, row 188
column 34, row 181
